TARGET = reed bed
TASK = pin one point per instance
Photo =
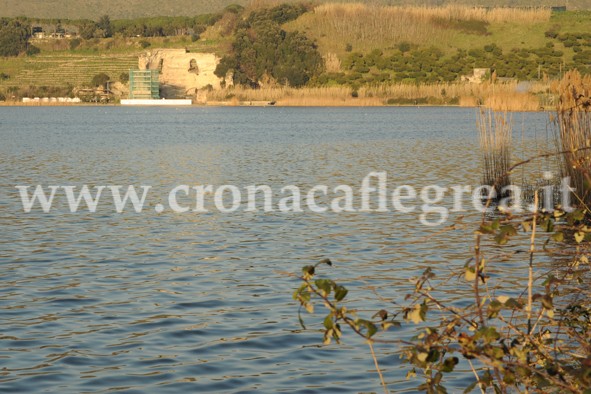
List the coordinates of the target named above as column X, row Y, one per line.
column 511, row 101
column 495, row 132
column 462, row 94
column 449, row 12
column 332, row 63
column 367, row 23
column 574, row 132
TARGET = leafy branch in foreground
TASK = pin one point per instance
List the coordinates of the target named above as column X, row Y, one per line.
column 537, row 340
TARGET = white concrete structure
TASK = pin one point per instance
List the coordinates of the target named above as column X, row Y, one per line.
column 163, row 102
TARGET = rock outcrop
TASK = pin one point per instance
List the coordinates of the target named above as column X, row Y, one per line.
column 182, row 73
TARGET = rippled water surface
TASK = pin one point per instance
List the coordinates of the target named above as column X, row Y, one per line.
column 201, row 302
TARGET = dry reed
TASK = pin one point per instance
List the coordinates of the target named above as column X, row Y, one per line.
column 574, row 132
column 495, row 132
column 449, row 12
column 332, row 63
column 359, row 23
column 510, row 101
column 468, row 95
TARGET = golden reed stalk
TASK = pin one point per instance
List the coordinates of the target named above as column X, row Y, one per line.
column 574, row 132
column 500, row 97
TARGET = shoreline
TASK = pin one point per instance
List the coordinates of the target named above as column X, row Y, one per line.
column 258, row 104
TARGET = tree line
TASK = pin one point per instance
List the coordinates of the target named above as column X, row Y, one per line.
column 161, row 26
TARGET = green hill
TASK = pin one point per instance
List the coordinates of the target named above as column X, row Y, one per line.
column 362, row 46
column 93, row 9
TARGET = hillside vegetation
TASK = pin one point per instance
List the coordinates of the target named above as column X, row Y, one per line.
column 93, row 9
column 355, row 50
column 368, row 27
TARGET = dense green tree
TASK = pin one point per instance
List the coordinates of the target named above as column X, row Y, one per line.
column 100, row 80
column 261, row 48
column 280, row 14
column 87, row 29
column 14, row 37
column 104, row 24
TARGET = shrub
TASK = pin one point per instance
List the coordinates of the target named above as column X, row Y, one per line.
column 404, row 47
column 551, row 34
column 234, row 8
column 361, row 68
column 570, row 43
column 145, row 44
column 536, row 340
column 348, row 47
column 124, row 77
column 75, row 43
column 32, row 50
column 100, row 80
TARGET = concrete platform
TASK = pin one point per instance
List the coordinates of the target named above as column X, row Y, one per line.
column 162, row 102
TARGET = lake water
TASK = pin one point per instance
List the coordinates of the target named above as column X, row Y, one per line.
column 201, row 302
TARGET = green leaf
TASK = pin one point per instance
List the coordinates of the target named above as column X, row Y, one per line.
column 547, row 302
column 325, row 261
column 558, row 236
column 328, row 322
column 493, row 309
column 514, row 304
column 489, row 334
column 324, row 284
column 383, row 315
column 298, row 292
column 417, row 314
column 340, row 293
column 308, row 270
column 486, row 229
column 449, row 364
column 470, row 274
column 495, row 224
column 501, row 239
column 433, row 356
column 577, row 215
column 508, row 230
column 548, row 225
column 371, row 328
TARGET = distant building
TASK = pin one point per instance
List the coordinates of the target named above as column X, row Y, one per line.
column 38, row 32
column 478, row 75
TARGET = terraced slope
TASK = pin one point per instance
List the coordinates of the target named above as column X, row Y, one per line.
column 63, row 70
